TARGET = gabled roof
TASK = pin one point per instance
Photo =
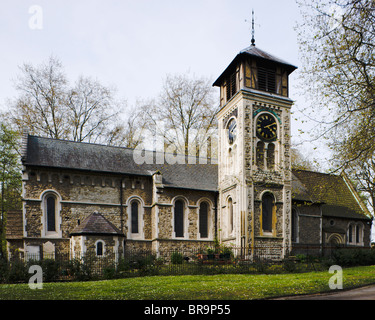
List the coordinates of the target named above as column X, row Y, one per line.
column 257, row 53
column 63, row 154
column 337, row 196
column 96, row 224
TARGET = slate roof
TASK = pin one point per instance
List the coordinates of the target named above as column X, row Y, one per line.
column 96, row 224
column 257, row 53
column 333, row 192
column 53, row 153
column 299, row 191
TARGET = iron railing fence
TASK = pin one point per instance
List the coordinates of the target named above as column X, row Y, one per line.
column 263, row 259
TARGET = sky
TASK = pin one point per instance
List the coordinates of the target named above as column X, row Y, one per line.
column 133, row 45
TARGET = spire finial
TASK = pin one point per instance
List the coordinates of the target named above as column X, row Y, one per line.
column 252, row 30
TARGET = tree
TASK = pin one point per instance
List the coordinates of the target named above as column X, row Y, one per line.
column 184, row 114
column 128, row 132
column 337, row 40
column 10, row 177
column 41, row 104
column 48, row 106
column 300, row 162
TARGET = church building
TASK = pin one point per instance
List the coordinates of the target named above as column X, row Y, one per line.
column 83, row 197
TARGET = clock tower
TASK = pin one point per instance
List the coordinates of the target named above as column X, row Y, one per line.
column 254, row 209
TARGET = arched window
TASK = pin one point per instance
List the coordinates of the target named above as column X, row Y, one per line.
column 50, row 207
column 134, row 216
column 270, row 156
column 268, row 207
column 203, row 219
column 135, row 220
column 260, row 154
column 230, row 215
column 179, row 219
column 99, row 248
column 51, row 212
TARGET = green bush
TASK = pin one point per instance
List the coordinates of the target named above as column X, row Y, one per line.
column 18, row 272
column 177, row 258
column 4, row 270
column 353, row 257
column 50, row 269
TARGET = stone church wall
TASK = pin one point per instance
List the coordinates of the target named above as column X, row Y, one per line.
column 80, row 194
column 309, row 224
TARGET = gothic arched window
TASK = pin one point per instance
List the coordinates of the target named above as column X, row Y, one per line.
column 268, row 208
column 179, row 218
column 203, row 219
column 134, row 216
column 51, row 212
column 230, row 215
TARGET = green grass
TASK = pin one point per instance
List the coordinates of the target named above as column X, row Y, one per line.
column 200, row 287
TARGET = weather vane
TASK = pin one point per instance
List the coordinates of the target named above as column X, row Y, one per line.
column 252, row 30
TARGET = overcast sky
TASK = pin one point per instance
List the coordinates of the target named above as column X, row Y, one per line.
column 132, row 45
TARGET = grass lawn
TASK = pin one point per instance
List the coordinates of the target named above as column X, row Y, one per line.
column 196, row 287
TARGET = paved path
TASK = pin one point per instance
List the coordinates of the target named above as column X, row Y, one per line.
column 364, row 293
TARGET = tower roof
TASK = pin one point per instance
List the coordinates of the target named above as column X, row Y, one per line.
column 257, row 53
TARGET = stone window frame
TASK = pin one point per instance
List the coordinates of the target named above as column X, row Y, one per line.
column 271, row 233
column 210, row 214
column 357, row 235
column 185, row 217
column 141, row 210
column 43, row 197
column 225, row 218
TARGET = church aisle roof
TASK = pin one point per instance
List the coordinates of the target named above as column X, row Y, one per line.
column 333, row 192
column 53, row 153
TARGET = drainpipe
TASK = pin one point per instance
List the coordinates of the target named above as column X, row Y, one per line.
column 215, row 222
column 122, row 212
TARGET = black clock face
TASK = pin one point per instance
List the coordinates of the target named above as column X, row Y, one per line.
column 232, row 130
column 266, row 127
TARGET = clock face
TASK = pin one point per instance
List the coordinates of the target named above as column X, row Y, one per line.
column 266, row 127
column 232, row 130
